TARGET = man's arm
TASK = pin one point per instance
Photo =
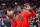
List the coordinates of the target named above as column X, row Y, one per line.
column 33, row 13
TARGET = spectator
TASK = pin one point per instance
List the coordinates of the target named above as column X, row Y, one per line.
column 0, row 21
column 18, row 10
column 5, row 26
column 35, row 24
column 0, row 13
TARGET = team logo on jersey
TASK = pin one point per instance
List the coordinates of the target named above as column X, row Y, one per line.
column 20, row 18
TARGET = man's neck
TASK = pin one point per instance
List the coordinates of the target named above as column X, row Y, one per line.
column 25, row 10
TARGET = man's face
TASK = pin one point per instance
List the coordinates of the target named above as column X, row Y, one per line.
column 19, row 8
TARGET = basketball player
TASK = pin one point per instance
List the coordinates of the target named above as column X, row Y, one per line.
column 21, row 20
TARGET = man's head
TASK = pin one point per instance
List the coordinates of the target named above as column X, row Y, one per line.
column 27, row 6
column 19, row 8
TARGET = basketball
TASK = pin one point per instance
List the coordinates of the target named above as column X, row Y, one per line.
column 10, row 15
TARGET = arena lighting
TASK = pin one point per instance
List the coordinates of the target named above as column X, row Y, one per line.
column 15, row 3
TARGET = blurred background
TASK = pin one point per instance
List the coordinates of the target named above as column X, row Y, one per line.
column 16, row 7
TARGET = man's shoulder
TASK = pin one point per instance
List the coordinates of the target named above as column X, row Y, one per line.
column 25, row 11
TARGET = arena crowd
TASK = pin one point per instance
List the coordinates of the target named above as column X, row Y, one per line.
column 16, row 8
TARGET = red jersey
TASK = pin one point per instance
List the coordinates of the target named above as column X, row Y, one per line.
column 21, row 20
